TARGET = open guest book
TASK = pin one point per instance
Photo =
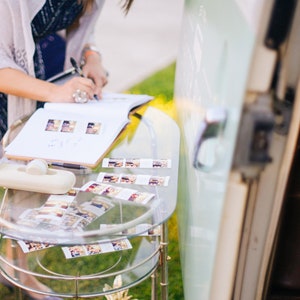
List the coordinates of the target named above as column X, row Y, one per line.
column 74, row 133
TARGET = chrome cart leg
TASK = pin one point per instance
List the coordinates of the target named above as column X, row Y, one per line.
column 154, row 285
column 19, row 295
column 164, row 261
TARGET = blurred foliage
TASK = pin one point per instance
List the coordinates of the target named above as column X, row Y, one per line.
column 160, row 84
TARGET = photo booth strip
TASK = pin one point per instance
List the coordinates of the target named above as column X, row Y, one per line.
column 133, row 179
column 28, row 246
column 65, row 212
column 98, row 248
column 142, row 163
column 79, row 250
column 69, row 212
column 117, row 192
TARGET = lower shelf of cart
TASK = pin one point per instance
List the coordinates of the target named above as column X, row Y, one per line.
column 51, row 272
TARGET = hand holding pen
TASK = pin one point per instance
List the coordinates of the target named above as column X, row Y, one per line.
column 94, row 70
column 79, row 96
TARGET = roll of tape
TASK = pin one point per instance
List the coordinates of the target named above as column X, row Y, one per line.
column 37, row 167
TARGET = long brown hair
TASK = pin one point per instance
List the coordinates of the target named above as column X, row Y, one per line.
column 88, row 6
column 127, row 5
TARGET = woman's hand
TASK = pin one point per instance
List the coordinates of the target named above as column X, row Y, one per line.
column 94, row 70
column 67, row 91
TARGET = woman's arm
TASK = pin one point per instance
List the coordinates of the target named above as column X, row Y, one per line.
column 17, row 83
column 93, row 69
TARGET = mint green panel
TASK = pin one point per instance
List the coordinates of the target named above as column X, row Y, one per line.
column 214, row 59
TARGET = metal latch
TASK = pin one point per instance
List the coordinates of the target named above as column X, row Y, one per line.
column 254, row 138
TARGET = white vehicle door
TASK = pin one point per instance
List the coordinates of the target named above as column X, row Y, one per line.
column 238, row 107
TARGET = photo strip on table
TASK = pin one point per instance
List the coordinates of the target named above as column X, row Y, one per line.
column 98, row 248
column 133, row 179
column 117, row 192
column 142, row 163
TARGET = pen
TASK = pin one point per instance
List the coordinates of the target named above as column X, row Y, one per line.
column 79, row 71
column 69, row 166
column 76, row 67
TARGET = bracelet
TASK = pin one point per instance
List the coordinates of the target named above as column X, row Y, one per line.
column 87, row 51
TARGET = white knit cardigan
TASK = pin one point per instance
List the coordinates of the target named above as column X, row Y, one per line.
column 17, row 45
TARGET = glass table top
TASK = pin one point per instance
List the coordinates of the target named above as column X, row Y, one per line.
column 131, row 192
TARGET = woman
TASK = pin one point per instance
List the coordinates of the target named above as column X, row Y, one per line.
column 36, row 30
column 23, row 68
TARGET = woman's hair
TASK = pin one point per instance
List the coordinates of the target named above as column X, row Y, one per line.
column 127, row 5
column 88, row 5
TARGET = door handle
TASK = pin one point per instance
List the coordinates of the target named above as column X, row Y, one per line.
column 211, row 127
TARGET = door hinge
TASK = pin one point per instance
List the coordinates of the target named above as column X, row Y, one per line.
column 254, row 137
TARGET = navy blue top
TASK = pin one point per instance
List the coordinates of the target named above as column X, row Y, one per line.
column 55, row 15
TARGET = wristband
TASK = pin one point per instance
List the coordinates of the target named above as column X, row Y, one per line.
column 87, row 51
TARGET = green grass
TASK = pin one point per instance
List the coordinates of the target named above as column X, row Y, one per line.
column 161, row 86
